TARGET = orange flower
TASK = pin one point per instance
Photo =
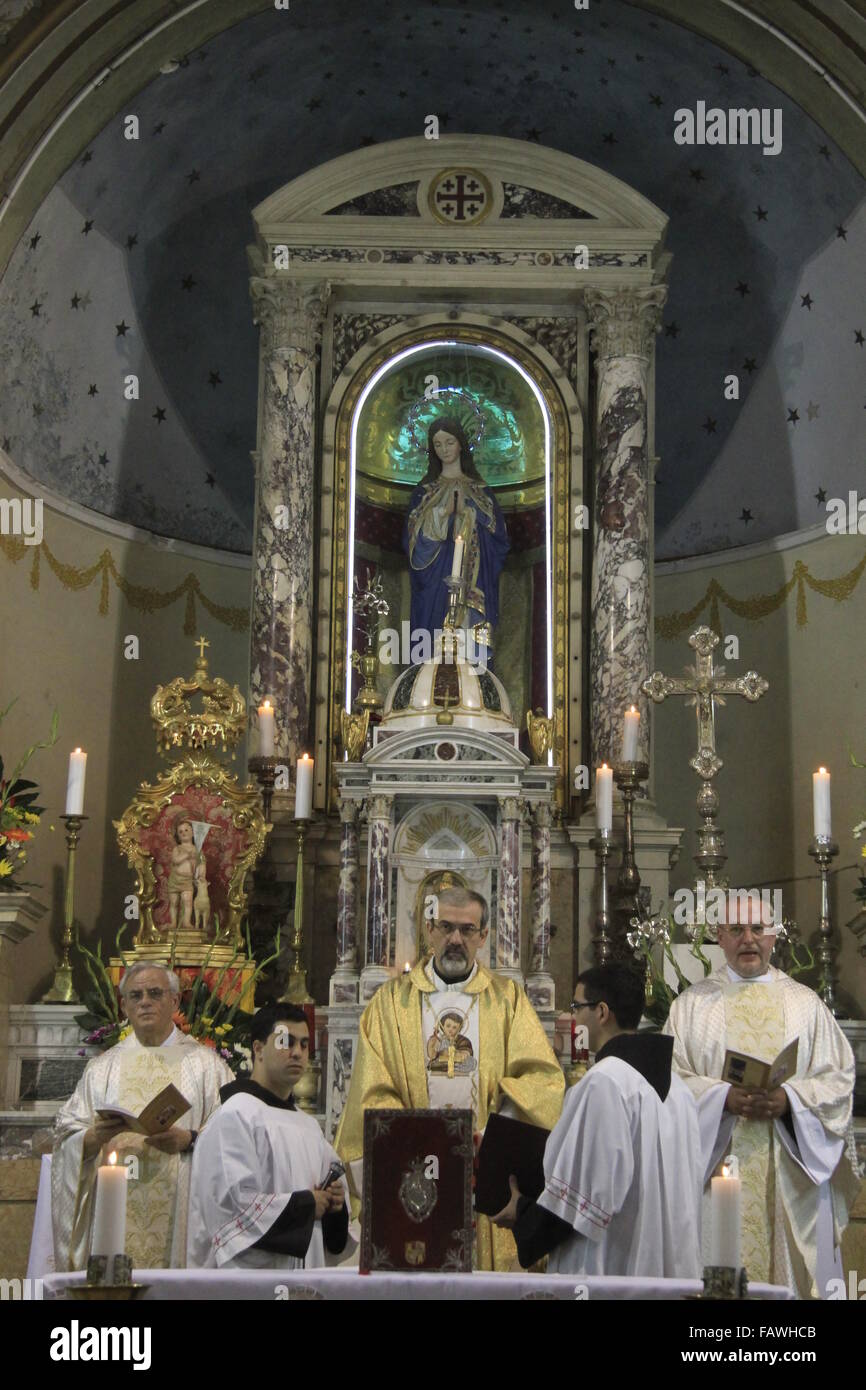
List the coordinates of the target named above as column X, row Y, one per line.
column 180, row 1022
column 208, row 1042
column 18, row 834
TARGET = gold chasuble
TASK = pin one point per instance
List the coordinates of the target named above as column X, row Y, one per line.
column 515, row 1064
column 129, row 1075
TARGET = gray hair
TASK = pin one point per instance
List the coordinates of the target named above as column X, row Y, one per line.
column 136, row 969
column 463, row 897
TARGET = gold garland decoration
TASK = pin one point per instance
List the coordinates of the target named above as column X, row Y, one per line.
column 137, row 595
column 760, row 605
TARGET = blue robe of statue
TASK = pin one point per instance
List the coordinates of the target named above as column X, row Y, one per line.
column 428, row 539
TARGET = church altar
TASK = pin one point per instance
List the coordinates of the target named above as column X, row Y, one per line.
column 347, row 1285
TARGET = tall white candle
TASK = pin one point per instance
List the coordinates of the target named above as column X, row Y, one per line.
column 725, row 1202
column 304, row 788
column 629, row 737
column 266, row 730
column 604, row 797
column 457, row 562
column 821, row 802
column 75, row 783
column 109, row 1215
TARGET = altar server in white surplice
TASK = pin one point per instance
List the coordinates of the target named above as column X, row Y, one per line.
column 260, row 1194
column 793, row 1142
column 622, row 1168
column 129, row 1075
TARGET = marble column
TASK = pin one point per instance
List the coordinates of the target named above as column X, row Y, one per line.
column 344, row 981
column 281, row 625
column 623, row 325
column 508, row 897
column 539, row 982
column 376, row 970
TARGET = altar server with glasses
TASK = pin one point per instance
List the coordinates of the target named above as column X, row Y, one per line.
column 622, row 1168
column 449, row 1034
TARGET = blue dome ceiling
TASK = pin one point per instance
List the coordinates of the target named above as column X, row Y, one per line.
column 135, row 263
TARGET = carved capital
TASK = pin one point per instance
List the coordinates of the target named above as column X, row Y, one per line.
column 289, row 314
column 542, row 815
column 379, row 807
column 509, row 808
column 623, row 323
column 349, row 813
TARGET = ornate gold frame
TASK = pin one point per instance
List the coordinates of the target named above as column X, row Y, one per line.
column 194, row 769
column 560, row 528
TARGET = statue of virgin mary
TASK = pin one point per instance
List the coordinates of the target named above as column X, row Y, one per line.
column 450, row 501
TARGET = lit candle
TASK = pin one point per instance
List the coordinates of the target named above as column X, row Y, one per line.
column 604, row 797
column 304, row 788
column 407, row 968
column 821, row 802
column 629, row 737
column 266, row 730
column 725, row 1205
column 109, row 1215
column 75, row 783
column 457, row 562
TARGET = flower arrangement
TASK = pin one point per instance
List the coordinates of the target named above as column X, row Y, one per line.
column 19, row 814
column 209, row 1008
column 649, row 933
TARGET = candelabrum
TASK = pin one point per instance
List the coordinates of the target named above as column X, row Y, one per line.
column 456, row 601
column 823, row 850
column 62, row 990
column 724, row 1282
column 296, row 989
column 265, row 772
column 109, row 1279
column 628, row 777
column 603, row 846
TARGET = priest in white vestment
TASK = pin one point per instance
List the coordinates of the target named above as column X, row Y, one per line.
column 622, row 1168
column 794, row 1143
column 264, row 1192
column 128, row 1076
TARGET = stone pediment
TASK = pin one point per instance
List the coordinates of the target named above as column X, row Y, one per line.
column 412, row 199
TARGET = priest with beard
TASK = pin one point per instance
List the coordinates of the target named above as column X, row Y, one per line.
column 794, row 1143
column 497, row 1060
column 260, row 1195
column 622, row 1168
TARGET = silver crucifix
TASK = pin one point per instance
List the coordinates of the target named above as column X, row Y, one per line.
column 705, row 686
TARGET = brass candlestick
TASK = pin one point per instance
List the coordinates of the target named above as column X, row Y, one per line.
column 62, row 990
column 602, row 843
column 823, row 850
column 628, row 777
column 265, row 772
column 296, row 990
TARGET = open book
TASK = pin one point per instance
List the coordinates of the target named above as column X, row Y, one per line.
column 742, row 1070
column 156, row 1117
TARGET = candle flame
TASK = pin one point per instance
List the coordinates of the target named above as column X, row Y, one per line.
column 78, row 750
column 266, row 704
column 634, row 710
column 112, row 1158
column 603, row 768
column 406, row 968
column 822, row 769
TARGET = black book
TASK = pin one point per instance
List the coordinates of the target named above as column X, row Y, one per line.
column 509, row 1146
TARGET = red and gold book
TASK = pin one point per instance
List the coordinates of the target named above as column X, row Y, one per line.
column 417, row 1206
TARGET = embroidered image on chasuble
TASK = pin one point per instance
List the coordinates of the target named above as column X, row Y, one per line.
column 128, row 1076
column 392, row 1066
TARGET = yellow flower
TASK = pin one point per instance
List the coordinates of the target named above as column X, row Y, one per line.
column 222, row 1028
column 22, row 854
column 5, row 868
column 124, row 1032
column 31, row 818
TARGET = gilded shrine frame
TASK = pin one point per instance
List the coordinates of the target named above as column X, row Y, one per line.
column 566, row 443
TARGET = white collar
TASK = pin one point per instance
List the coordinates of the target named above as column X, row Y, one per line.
column 735, row 979
column 457, row 986
column 173, row 1038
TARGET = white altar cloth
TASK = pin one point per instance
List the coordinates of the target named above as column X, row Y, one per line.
column 347, row 1284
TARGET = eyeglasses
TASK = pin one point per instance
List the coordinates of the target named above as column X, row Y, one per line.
column 736, row 932
column 583, row 1004
column 466, row 930
column 135, row 996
